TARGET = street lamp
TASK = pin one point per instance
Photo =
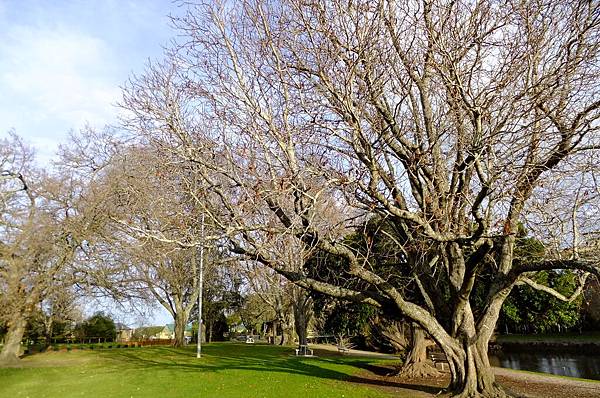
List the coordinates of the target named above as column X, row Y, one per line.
column 200, row 283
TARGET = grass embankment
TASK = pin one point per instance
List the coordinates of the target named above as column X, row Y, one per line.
column 226, row 370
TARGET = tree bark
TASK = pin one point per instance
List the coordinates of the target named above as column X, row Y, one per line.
column 179, row 339
column 301, row 325
column 417, row 364
column 471, row 374
column 12, row 342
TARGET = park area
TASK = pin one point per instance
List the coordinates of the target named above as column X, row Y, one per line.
column 334, row 198
column 240, row 370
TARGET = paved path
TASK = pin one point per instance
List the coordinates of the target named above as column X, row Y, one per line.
column 353, row 352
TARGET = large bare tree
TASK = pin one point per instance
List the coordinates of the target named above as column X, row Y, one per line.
column 445, row 117
column 42, row 226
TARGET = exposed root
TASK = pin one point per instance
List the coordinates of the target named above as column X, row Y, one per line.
column 495, row 392
column 10, row 362
column 416, row 370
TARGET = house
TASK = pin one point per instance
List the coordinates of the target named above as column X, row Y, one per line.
column 124, row 332
column 166, row 332
column 148, row 333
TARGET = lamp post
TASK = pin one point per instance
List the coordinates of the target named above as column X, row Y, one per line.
column 200, row 286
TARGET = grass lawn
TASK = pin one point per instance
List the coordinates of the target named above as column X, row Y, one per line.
column 226, row 370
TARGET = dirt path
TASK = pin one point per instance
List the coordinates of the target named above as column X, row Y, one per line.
column 519, row 384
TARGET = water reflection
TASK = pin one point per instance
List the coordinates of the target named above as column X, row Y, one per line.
column 573, row 365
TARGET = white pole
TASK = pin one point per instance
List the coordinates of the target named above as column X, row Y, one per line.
column 200, row 286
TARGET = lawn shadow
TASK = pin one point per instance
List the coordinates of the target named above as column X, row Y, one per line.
column 379, row 375
column 265, row 358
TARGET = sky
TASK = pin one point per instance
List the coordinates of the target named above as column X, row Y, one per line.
column 62, row 63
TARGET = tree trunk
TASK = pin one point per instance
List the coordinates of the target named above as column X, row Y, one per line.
column 12, row 342
column 179, row 339
column 48, row 324
column 417, row 364
column 302, row 306
column 301, row 325
column 471, row 373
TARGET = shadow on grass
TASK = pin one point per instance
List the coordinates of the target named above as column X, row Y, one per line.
column 383, row 372
column 261, row 358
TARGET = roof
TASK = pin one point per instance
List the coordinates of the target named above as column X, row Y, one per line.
column 147, row 331
column 121, row 326
column 171, row 327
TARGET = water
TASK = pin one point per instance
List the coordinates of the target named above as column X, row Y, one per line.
column 573, row 365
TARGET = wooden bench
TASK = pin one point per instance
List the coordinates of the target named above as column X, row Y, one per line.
column 439, row 357
column 342, row 349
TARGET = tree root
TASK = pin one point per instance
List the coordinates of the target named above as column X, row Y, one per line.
column 417, row 370
column 495, row 392
column 10, row 362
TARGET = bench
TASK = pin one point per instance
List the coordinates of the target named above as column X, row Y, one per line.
column 342, row 349
column 304, row 351
column 439, row 357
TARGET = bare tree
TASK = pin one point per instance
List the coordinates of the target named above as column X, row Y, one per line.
column 149, row 248
column 443, row 116
column 42, row 226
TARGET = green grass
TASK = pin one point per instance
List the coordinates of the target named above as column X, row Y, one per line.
column 590, row 337
column 226, row 370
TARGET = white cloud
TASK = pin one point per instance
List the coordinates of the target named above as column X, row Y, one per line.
column 59, row 73
column 62, row 62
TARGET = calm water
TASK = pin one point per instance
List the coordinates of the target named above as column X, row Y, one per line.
column 574, row 365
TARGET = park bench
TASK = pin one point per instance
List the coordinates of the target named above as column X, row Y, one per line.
column 343, row 349
column 439, row 357
column 303, row 350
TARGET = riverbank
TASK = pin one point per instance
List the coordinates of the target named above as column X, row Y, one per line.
column 588, row 343
column 559, row 338
column 517, row 383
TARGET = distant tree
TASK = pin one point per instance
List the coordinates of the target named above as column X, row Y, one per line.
column 99, row 325
column 43, row 225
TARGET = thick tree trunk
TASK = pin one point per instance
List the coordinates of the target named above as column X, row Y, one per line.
column 179, row 340
column 471, row 373
column 274, row 332
column 301, row 325
column 417, row 364
column 12, row 342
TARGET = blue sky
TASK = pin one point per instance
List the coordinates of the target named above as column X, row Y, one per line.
column 62, row 62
